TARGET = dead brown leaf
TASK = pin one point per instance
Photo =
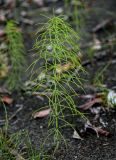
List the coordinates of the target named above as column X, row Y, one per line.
column 89, row 104
column 42, row 113
column 102, row 131
column 7, row 100
column 97, row 130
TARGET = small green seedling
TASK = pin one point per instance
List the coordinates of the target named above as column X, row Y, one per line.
column 16, row 51
column 98, row 79
column 17, row 145
column 76, row 10
column 58, row 56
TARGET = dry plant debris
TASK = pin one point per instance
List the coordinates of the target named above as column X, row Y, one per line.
column 7, row 100
column 42, row 113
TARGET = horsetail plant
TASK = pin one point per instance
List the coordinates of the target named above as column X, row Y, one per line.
column 16, row 51
column 58, row 53
column 74, row 9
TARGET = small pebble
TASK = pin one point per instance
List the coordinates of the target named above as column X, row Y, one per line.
column 41, row 127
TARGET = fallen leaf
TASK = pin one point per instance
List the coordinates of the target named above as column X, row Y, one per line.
column 42, row 113
column 97, row 130
column 76, row 135
column 7, row 99
column 102, row 131
column 89, row 104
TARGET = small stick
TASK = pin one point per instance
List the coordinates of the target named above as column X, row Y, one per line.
column 10, row 118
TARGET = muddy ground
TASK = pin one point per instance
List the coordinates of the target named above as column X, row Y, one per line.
column 91, row 147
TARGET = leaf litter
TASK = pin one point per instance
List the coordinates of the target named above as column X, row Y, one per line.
column 6, row 99
column 42, row 113
column 95, row 103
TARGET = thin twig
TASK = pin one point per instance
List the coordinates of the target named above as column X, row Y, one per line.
column 10, row 118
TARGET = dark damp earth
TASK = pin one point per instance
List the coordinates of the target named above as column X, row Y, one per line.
column 91, row 147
